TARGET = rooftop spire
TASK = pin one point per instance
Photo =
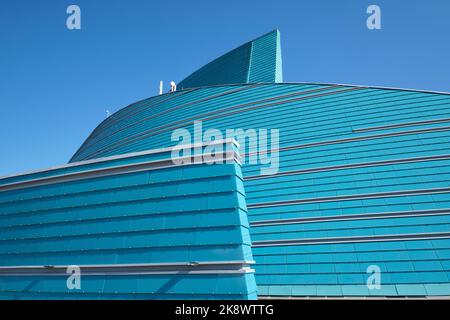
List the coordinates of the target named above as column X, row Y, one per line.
column 258, row 60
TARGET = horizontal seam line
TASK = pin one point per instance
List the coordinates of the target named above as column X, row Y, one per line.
column 380, row 238
column 400, row 125
column 350, row 197
column 348, row 166
column 348, row 140
column 350, row 217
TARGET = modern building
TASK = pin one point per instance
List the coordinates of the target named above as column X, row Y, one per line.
column 359, row 205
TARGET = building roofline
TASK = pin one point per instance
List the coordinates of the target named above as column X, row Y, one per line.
column 321, row 83
column 117, row 157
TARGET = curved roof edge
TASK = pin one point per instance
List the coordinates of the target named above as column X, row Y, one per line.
column 314, row 83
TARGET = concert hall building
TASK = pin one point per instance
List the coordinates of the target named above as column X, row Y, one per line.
column 362, row 192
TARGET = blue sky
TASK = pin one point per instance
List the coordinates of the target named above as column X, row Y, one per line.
column 56, row 84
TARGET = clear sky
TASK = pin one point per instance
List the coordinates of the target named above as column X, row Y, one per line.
column 56, row 84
